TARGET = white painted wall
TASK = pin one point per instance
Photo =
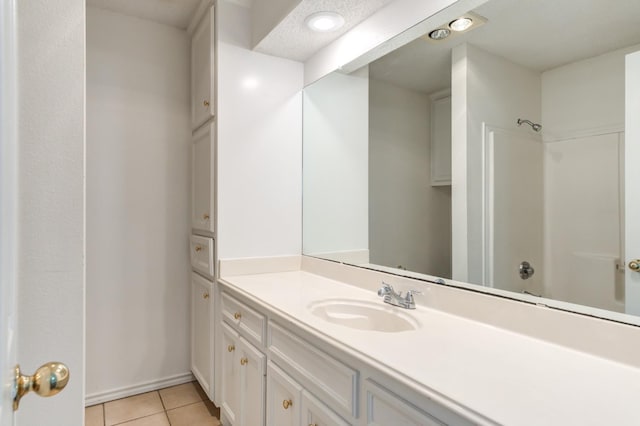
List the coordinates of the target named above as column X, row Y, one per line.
column 50, row 211
column 585, row 96
column 259, row 145
column 336, row 169
column 138, row 198
column 583, row 113
column 410, row 220
column 486, row 90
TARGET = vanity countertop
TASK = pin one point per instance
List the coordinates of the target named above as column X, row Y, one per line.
column 475, row 369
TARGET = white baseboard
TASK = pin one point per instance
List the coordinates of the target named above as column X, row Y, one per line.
column 110, row 395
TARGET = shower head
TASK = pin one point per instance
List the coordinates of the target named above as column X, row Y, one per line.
column 536, row 127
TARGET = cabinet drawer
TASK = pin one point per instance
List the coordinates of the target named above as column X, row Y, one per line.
column 314, row 412
column 202, row 255
column 385, row 408
column 247, row 321
column 332, row 381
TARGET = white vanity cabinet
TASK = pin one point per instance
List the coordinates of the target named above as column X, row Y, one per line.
column 202, row 67
column 284, row 398
column 203, row 181
column 201, row 331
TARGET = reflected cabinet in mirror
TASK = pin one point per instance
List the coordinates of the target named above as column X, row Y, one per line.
column 493, row 156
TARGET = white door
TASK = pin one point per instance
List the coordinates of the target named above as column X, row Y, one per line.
column 513, row 209
column 42, row 204
column 632, row 178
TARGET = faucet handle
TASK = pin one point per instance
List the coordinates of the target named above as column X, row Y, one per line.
column 385, row 289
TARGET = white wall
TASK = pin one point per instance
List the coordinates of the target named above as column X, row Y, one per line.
column 259, row 145
column 138, row 198
column 583, row 106
column 51, row 197
column 410, row 220
column 486, row 90
column 266, row 15
column 336, row 169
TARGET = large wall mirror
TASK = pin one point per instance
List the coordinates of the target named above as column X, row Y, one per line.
column 494, row 155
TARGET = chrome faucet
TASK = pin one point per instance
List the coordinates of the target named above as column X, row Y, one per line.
column 396, row 299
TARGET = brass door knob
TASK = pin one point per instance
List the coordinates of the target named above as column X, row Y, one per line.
column 205, row 216
column 237, row 315
column 231, row 348
column 244, row 361
column 198, row 248
column 205, row 296
column 48, row 380
column 287, row 403
column 634, row 265
column 205, row 103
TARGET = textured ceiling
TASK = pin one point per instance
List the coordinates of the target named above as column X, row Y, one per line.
column 176, row 13
column 537, row 34
column 293, row 40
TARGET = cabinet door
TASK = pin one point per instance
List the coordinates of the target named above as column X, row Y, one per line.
column 441, row 141
column 252, row 385
column 316, row 413
column 202, row 87
column 283, row 398
column 202, row 181
column 230, row 381
column 201, row 331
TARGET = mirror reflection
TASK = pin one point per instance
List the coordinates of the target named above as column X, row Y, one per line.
column 492, row 155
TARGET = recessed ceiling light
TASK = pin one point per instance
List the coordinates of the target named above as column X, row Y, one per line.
column 461, row 24
column 439, row 34
column 324, row 21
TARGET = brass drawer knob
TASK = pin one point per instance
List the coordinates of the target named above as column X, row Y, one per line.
column 205, row 296
column 205, row 103
column 244, row 361
column 287, row 403
column 237, row 315
column 231, row 348
column 205, row 216
column 198, row 249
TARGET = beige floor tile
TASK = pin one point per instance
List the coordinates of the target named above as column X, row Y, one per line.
column 192, row 415
column 134, row 407
column 94, row 415
column 178, row 396
column 159, row 419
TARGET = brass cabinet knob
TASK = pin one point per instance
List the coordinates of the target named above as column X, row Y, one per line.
column 205, row 296
column 244, row 361
column 231, row 348
column 198, row 248
column 205, row 103
column 634, row 265
column 205, row 216
column 237, row 315
column 48, row 380
column 287, row 403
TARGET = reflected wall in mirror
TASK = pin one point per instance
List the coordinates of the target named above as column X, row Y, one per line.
column 465, row 157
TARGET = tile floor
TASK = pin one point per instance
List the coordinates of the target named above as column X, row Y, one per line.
column 182, row 405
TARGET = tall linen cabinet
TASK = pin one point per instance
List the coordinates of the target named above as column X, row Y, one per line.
column 203, row 196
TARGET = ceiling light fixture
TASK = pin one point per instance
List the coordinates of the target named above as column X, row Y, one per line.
column 439, row 34
column 461, row 24
column 324, row 21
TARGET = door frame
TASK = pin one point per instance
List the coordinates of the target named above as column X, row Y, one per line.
column 8, row 204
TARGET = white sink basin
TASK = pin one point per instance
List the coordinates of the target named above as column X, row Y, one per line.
column 363, row 315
